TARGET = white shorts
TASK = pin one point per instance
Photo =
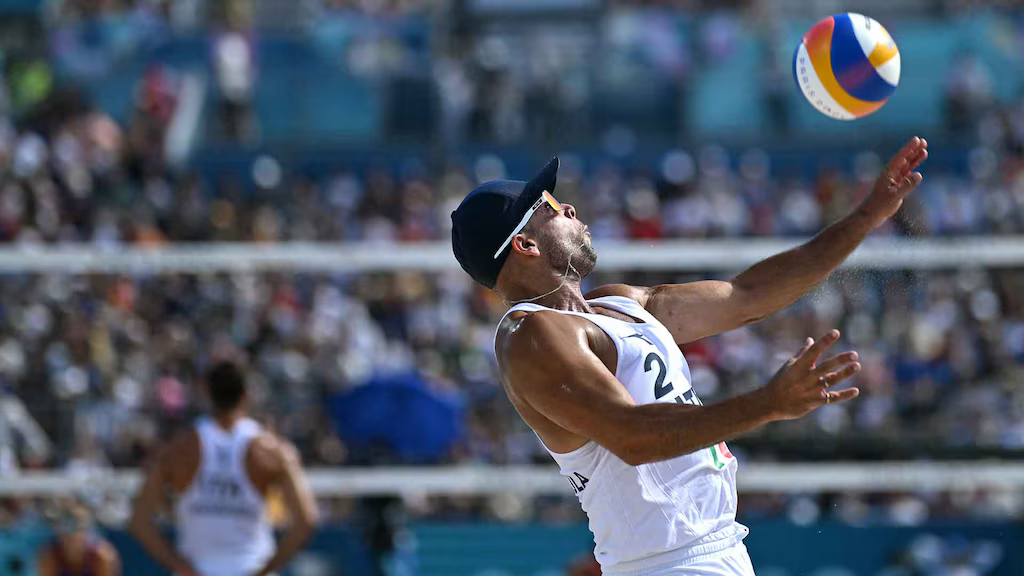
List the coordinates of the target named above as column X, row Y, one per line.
column 733, row 561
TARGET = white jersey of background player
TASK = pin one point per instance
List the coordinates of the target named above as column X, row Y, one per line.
column 220, row 472
column 600, row 379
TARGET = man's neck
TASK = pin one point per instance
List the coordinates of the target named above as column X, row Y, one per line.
column 568, row 296
column 226, row 420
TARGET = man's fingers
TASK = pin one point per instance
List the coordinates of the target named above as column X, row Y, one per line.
column 911, row 146
column 896, row 168
column 837, row 376
column 835, row 362
column 809, row 357
column 905, row 157
column 912, row 163
column 908, row 184
column 803, row 350
column 916, row 160
column 836, row 396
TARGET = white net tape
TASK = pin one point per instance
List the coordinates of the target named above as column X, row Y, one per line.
column 544, row 480
column 679, row 255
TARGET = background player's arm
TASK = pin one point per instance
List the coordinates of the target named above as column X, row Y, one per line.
column 699, row 309
column 299, row 501
column 549, row 365
column 109, row 560
column 142, row 526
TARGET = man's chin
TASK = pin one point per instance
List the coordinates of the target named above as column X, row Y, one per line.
column 589, row 260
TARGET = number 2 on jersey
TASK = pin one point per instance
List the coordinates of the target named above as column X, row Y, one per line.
column 660, row 388
column 720, row 453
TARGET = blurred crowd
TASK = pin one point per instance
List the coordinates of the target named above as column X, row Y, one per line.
column 98, row 368
column 95, row 369
column 87, row 180
column 109, row 365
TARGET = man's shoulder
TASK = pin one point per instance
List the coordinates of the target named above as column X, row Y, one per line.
column 540, row 346
column 183, row 441
column 270, row 443
column 176, row 461
column 521, row 331
column 636, row 293
column 271, row 453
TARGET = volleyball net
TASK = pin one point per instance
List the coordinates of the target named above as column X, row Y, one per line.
column 673, row 256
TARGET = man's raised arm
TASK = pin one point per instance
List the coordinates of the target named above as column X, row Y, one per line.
column 699, row 309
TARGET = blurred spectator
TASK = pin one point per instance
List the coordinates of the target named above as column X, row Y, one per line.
column 968, row 93
column 77, row 550
column 234, row 66
column 930, row 554
column 89, row 38
column 17, row 426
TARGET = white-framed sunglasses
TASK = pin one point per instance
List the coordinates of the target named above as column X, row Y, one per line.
column 544, row 197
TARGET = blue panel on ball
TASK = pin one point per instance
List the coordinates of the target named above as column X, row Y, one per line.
column 852, row 69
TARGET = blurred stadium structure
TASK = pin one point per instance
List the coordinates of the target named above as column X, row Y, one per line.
column 184, row 178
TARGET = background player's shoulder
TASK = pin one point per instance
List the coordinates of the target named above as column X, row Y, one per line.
column 181, row 444
column 270, row 453
column 178, row 460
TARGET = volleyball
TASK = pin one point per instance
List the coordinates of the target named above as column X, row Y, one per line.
column 847, row 66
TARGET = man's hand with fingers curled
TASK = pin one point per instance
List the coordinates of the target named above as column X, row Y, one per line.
column 803, row 383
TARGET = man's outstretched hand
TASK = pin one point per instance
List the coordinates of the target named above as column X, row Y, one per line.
column 804, row 381
column 894, row 184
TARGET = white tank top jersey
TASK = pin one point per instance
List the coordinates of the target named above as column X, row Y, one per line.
column 221, row 518
column 659, row 513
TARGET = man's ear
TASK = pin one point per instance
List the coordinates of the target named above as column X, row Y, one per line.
column 525, row 245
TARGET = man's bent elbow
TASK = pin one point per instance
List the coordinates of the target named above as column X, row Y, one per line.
column 632, row 452
column 633, row 459
column 638, row 450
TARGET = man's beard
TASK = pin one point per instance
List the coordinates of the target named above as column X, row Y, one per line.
column 575, row 259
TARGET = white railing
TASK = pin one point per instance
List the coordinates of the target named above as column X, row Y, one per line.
column 670, row 255
column 545, row 480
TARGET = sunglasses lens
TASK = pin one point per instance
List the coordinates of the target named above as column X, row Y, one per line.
column 554, row 203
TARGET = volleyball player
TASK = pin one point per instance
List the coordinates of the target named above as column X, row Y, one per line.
column 219, row 473
column 601, row 380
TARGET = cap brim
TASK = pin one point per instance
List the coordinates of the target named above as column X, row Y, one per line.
column 544, row 180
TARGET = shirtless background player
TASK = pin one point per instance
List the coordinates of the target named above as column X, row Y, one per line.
column 601, row 381
column 220, row 472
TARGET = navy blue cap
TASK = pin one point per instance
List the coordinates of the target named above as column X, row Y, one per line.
column 488, row 215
